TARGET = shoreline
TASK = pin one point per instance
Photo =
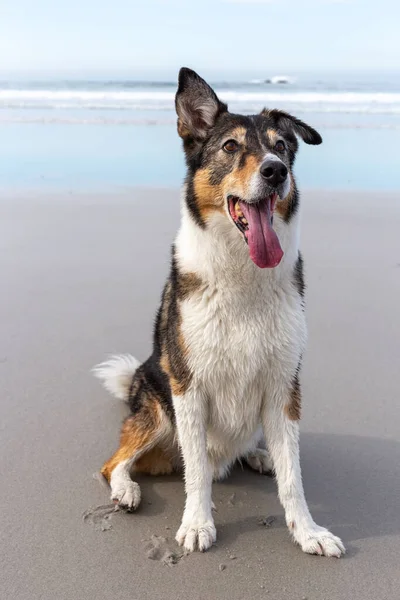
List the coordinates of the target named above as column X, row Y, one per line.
column 114, row 191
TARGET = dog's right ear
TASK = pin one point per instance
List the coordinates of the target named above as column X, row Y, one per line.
column 197, row 105
column 307, row 133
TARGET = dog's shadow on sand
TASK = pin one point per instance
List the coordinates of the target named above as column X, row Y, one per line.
column 352, row 485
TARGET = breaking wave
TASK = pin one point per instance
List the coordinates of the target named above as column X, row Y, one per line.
column 161, row 100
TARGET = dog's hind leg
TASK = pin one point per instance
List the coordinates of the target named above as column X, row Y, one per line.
column 141, row 435
column 260, row 460
column 256, row 454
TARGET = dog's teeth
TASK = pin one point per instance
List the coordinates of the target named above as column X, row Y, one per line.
column 244, row 221
column 238, row 210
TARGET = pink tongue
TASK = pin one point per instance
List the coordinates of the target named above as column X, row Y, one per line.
column 264, row 246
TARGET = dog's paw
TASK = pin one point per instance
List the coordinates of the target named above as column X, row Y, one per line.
column 126, row 493
column 196, row 534
column 318, row 540
column 260, row 461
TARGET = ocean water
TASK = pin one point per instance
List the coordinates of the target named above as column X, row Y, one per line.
column 93, row 134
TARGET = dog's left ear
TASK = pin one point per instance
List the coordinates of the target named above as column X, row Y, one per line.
column 284, row 120
column 197, row 105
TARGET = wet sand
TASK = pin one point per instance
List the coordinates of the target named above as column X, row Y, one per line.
column 81, row 278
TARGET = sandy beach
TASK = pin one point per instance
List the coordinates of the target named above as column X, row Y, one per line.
column 81, row 279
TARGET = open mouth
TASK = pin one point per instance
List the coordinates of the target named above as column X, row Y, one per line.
column 254, row 221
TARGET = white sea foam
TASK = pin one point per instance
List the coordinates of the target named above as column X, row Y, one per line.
column 279, row 79
column 63, row 120
column 150, row 100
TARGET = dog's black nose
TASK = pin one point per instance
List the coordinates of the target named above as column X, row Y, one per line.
column 274, row 171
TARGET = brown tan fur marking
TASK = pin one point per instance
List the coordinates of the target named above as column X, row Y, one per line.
column 164, row 362
column 138, row 431
column 154, row 462
column 208, row 196
column 238, row 134
column 272, row 135
column 183, row 131
column 293, row 408
column 178, row 386
column 238, row 181
column 283, row 207
column 245, row 174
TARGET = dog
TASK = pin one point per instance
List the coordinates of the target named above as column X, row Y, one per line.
column 230, row 333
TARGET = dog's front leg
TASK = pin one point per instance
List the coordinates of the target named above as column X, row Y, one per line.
column 280, row 421
column 197, row 529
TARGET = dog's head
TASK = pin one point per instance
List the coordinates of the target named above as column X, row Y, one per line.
column 239, row 166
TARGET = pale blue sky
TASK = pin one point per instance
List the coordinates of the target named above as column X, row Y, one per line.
column 210, row 35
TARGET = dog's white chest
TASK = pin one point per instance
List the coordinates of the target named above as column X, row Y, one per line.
column 239, row 344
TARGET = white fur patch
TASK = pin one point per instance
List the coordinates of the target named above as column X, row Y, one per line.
column 272, row 157
column 116, row 374
column 124, row 491
column 285, row 188
column 196, row 533
column 318, row 540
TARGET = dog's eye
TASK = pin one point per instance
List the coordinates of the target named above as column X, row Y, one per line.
column 231, row 146
column 280, row 146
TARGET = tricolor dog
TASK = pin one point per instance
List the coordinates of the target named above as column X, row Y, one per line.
column 230, row 332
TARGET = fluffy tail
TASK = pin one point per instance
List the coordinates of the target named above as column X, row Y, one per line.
column 116, row 374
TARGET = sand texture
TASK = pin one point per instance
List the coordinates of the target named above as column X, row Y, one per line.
column 81, row 278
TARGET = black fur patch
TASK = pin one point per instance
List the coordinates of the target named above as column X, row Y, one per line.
column 150, row 381
column 191, row 202
column 172, row 344
column 197, row 106
column 293, row 205
column 298, row 276
column 219, row 171
column 293, row 408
